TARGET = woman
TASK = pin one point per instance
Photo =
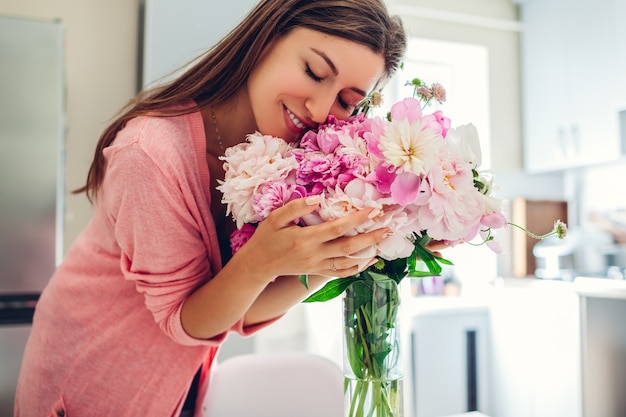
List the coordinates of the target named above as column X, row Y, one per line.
column 150, row 289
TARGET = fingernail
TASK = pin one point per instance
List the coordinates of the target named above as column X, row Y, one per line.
column 373, row 213
column 370, row 263
column 387, row 234
column 312, row 200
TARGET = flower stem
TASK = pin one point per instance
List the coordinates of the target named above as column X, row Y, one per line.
column 559, row 229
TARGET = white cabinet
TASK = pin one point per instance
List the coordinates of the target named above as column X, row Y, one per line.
column 569, row 76
column 620, row 49
column 450, row 361
column 604, row 356
column 535, row 353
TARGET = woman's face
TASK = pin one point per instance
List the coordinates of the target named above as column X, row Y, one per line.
column 306, row 75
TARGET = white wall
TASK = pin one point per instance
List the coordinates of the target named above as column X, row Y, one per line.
column 492, row 23
column 101, row 71
column 175, row 35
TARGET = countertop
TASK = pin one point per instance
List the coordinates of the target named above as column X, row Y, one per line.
column 482, row 299
column 584, row 286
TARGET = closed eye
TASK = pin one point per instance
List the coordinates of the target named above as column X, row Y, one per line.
column 311, row 74
column 343, row 104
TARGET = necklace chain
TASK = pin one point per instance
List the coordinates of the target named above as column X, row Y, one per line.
column 217, row 131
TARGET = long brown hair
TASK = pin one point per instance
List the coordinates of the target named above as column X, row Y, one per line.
column 223, row 70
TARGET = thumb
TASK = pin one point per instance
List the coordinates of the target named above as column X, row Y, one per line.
column 295, row 209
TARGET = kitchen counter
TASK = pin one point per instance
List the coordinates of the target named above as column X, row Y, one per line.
column 598, row 334
column 584, row 286
column 552, row 347
column 600, row 287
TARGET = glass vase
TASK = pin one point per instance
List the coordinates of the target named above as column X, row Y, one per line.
column 373, row 377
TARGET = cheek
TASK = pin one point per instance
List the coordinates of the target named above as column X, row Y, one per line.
column 339, row 112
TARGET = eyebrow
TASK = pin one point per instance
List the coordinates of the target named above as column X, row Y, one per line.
column 333, row 68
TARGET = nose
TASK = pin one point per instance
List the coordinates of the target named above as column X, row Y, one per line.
column 319, row 106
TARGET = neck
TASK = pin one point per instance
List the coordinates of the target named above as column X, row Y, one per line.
column 227, row 124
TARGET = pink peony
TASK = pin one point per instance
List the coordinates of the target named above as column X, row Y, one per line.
column 273, row 195
column 408, row 109
column 443, row 122
column 241, row 236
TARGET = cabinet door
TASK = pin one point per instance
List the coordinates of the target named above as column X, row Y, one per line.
column 569, row 79
column 450, row 362
column 591, row 77
column 604, row 360
column 620, row 50
column 544, row 87
column 536, row 355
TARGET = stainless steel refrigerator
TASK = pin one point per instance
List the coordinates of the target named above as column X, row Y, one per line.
column 32, row 131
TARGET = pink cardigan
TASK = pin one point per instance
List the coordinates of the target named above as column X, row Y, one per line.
column 107, row 338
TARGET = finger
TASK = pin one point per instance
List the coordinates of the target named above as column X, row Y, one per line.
column 292, row 211
column 341, row 226
column 437, row 245
column 356, row 246
column 344, row 266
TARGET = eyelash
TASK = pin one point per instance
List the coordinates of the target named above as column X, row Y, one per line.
column 311, row 74
column 317, row 79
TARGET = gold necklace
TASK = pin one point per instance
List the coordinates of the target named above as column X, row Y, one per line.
column 217, row 131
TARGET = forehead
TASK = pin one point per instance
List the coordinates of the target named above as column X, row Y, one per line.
column 354, row 62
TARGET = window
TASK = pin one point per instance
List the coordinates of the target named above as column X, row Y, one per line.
column 463, row 70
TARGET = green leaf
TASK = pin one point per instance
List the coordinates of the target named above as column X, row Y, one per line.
column 304, row 279
column 417, row 82
column 362, row 290
column 332, row 289
column 429, row 259
column 376, row 276
column 420, row 274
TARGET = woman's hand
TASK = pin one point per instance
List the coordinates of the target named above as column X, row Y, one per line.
column 435, row 246
column 280, row 247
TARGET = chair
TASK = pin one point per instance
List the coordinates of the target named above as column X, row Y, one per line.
column 286, row 384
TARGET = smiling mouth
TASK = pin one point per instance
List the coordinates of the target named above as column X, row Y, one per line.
column 297, row 122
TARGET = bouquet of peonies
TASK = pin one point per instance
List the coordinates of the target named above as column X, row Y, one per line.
column 421, row 174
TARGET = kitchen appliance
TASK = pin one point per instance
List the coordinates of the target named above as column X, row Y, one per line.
column 32, row 129
column 554, row 259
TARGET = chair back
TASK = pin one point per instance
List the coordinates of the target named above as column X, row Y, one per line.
column 285, row 384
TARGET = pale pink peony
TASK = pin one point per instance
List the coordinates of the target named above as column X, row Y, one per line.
column 404, row 222
column 455, row 206
column 248, row 166
column 357, row 195
column 495, row 220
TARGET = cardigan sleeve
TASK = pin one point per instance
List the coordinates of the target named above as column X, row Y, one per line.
column 155, row 200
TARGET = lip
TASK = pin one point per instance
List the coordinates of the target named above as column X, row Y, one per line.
column 291, row 126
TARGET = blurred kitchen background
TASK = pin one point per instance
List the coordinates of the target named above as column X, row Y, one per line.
column 534, row 332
